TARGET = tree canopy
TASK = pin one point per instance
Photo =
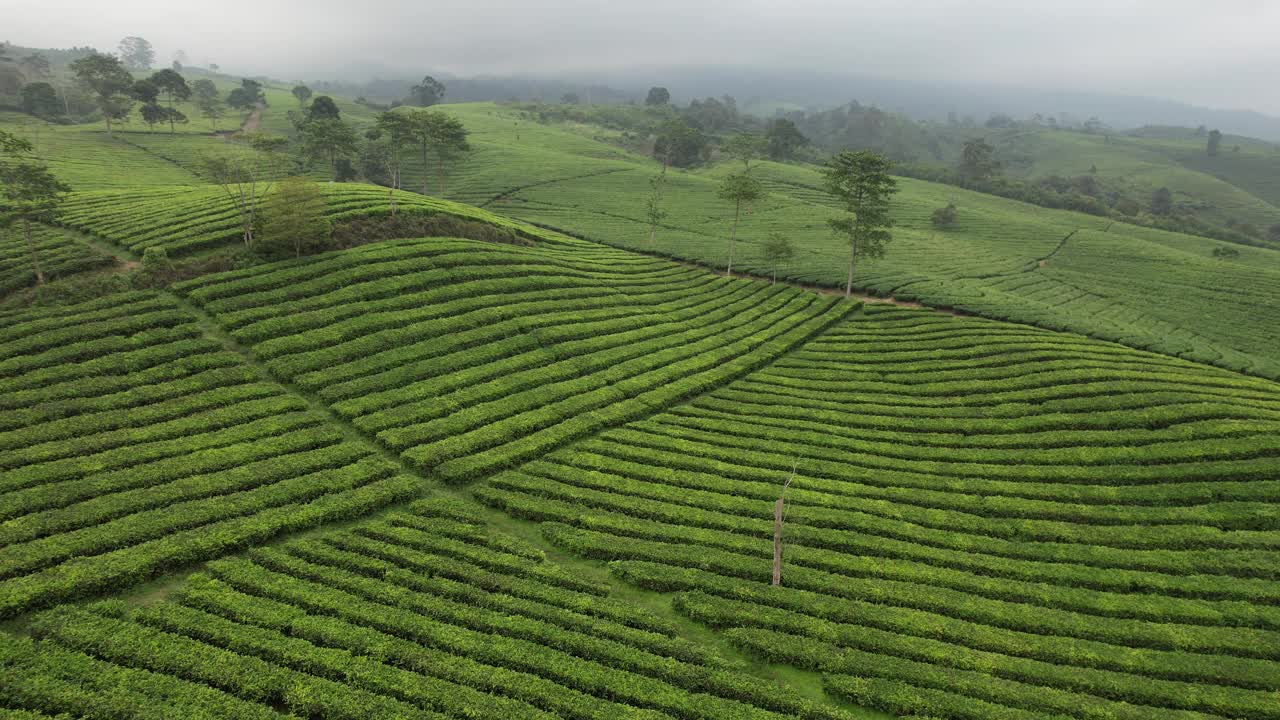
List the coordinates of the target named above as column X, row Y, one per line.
column 657, row 96
column 136, row 53
column 861, row 182
column 107, row 80
column 426, row 93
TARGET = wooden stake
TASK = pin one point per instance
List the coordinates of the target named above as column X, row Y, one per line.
column 779, row 516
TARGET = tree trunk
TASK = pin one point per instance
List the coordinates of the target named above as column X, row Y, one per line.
column 35, row 256
column 653, row 230
column 426, row 169
column 848, row 285
column 775, row 277
column 733, row 236
column 171, row 130
column 777, row 542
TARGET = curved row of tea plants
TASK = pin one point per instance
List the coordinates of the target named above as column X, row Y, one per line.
column 1142, row 287
column 189, row 218
column 422, row 614
column 130, row 442
column 59, row 252
column 89, row 160
column 469, row 357
column 987, row 520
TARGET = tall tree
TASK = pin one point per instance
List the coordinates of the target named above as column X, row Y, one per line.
column 329, row 139
column 1162, row 202
column 41, row 100
column 397, row 129
column 653, row 210
column 426, row 93
column 323, row 108
column 108, row 81
column 145, row 91
column 137, row 53
column 294, row 221
column 153, row 113
column 174, row 86
column 1215, row 141
column 739, row 189
column 36, row 67
column 681, row 144
column 783, row 139
column 657, row 96
column 247, row 96
column 861, row 181
column 246, row 177
column 977, row 160
column 744, row 147
column 449, row 138
column 208, row 101
column 302, row 93
column 777, row 251
column 28, row 193
column 432, row 130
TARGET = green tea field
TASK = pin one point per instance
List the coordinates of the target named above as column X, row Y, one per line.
column 488, row 452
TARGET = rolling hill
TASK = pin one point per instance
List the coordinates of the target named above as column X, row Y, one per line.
column 536, row 477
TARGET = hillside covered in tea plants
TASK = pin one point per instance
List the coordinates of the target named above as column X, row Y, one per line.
column 507, row 446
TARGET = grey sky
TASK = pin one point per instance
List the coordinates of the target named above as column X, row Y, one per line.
column 1221, row 54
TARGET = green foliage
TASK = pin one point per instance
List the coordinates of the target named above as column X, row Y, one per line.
column 783, row 140
column 1215, row 142
column 426, row 93
column 777, row 252
column 1226, row 252
column 945, row 217
column 657, row 96
column 323, row 108
column 745, row 147
column 740, row 189
column 293, row 220
column 1162, row 202
column 247, row 96
column 136, row 53
column 41, row 100
column 108, row 81
column 156, row 260
column 329, row 140
column 977, row 160
column 681, row 144
column 860, row 181
column 302, row 93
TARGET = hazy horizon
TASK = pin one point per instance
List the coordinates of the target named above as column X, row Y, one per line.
column 1218, row 56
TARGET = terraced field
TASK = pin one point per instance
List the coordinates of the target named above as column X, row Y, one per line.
column 477, row 479
column 425, row 613
column 1004, row 260
column 184, row 219
column 60, row 252
column 86, row 159
column 132, row 442
column 989, row 520
column 467, row 358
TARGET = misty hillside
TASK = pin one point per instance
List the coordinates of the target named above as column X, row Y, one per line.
column 550, row 360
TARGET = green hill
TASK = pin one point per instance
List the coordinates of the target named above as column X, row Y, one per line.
column 532, row 472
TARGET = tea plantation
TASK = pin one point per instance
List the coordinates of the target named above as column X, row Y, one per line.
column 531, row 472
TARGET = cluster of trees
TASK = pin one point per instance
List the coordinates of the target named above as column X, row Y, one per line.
column 29, row 80
column 860, row 181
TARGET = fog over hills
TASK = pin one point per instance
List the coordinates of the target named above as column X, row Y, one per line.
column 1091, row 57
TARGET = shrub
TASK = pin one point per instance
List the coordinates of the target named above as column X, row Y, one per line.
column 361, row 230
column 945, row 217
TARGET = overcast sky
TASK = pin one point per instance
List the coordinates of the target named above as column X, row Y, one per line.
column 1223, row 53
